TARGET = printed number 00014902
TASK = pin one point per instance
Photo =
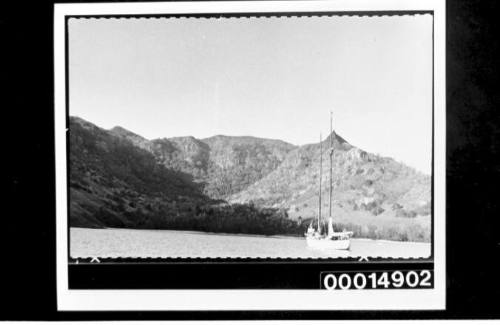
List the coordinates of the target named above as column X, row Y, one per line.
column 376, row 280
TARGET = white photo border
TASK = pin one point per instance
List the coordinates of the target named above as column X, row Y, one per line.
column 165, row 300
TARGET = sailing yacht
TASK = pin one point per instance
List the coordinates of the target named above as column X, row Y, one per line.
column 329, row 239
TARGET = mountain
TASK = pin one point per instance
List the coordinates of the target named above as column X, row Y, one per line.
column 113, row 180
column 375, row 196
column 358, row 178
column 118, row 177
column 238, row 162
column 225, row 165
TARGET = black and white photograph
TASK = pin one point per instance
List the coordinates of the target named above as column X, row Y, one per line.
column 255, row 161
column 203, row 132
column 250, row 137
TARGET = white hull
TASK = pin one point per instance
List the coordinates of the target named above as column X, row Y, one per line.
column 326, row 244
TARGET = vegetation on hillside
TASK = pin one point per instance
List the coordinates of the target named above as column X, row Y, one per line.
column 238, row 218
column 224, row 165
column 114, row 183
column 238, row 185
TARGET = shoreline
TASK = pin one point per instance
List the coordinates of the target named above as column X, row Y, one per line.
column 195, row 232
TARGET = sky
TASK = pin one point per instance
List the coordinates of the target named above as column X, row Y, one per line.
column 275, row 78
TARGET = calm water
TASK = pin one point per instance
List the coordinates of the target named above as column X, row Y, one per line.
column 170, row 243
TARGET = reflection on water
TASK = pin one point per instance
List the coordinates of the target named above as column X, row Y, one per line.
column 169, row 243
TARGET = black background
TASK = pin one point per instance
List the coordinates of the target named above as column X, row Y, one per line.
column 223, row 274
column 27, row 229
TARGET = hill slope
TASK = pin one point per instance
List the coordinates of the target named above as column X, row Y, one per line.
column 358, row 177
column 112, row 181
column 376, row 196
column 224, row 165
column 119, row 178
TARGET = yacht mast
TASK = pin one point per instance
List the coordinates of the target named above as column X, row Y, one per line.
column 320, row 177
